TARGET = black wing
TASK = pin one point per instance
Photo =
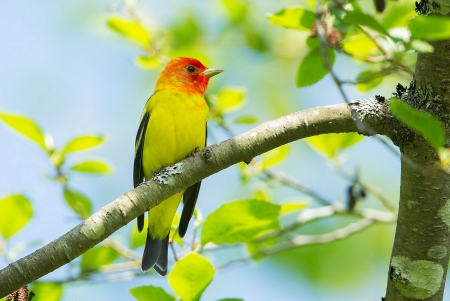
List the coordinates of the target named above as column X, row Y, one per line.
column 138, row 171
column 189, row 200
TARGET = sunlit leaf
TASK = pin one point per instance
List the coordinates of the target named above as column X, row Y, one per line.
column 275, row 156
column 146, row 62
column 444, row 156
column 82, row 143
column 91, row 166
column 78, row 202
column 230, row 98
column 290, row 207
column 331, row 144
column 312, row 68
column 422, row 46
column 261, row 195
column 254, row 248
column 130, row 29
column 293, row 18
column 429, row 28
column 254, row 251
column 240, row 221
column 25, row 126
column 422, row 122
column 360, row 18
column 151, row 293
column 190, row 276
column 246, row 119
column 359, row 44
column 237, row 10
column 15, row 212
column 397, row 14
column 98, row 256
column 46, row 291
column 369, row 79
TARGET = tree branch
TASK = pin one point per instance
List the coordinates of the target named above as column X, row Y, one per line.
column 210, row 160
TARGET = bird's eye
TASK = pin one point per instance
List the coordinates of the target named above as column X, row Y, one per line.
column 190, row 69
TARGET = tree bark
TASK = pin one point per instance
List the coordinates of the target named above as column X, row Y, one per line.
column 420, row 255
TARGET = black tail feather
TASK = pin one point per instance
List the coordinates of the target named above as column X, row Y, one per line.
column 155, row 254
column 151, row 252
column 189, row 199
column 161, row 264
column 140, row 222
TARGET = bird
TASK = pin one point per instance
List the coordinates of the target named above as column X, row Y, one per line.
column 172, row 126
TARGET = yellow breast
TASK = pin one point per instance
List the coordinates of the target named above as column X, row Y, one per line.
column 177, row 126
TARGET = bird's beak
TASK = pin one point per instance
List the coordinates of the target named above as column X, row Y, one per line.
column 210, row 72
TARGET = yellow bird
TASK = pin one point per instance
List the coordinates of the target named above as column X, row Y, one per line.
column 172, row 126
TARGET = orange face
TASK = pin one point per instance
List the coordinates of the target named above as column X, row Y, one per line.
column 184, row 73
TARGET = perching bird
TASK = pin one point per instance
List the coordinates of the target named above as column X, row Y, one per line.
column 172, row 126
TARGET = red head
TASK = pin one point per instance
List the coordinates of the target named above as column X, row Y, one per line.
column 186, row 74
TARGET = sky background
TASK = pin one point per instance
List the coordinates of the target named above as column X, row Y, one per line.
column 63, row 67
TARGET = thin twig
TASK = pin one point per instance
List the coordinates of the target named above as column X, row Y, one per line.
column 324, row 51
column 175, row 257
column 288, row 181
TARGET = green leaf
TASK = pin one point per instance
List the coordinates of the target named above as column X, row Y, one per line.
column 331, row 144
column 275, row 156
column 240, row 221
column 15, row 212
column 25, row 126
column 290, row 207
column 231, row 299
column 359, row 44
column 96, row 257
column 312, row 68
column 79, row 203
column 422, row 122
column 230, row 98
column 91, row 166
column 190, row 276
column 360, row 18
column 246, row 119
column 397, row 14
column 237, row 10
column 422, row 46
column 293, row 18
column 146, row 62
column 81, row 143
column 130, row 29
column 46, row 291
column 151, row 293
column 429, row 28
column 369, row 79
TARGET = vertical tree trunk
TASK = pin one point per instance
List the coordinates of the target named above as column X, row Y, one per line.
column 420, row 254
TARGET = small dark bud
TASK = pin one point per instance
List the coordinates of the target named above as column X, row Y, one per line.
column 380, row 5
column 31, row 296
column 362, row 193
column 351, row 199
column 380, row 98
column 206, row 154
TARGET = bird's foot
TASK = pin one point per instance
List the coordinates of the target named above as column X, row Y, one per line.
column 196, row 150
